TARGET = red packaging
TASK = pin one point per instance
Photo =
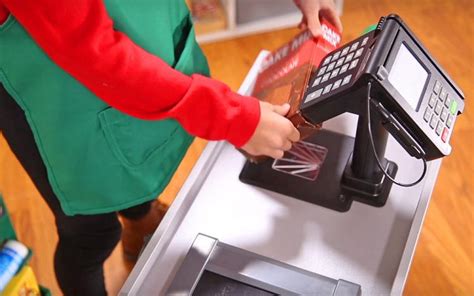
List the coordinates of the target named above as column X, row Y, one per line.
column 285, row 74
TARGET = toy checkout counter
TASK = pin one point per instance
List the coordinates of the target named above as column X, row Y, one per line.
column 335, row 216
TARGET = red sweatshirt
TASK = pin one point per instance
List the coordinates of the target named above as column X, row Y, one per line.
column 142, row 85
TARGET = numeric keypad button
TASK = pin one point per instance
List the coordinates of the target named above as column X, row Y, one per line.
column 439, row 128
column 321, row 71
column 353, row 64
column 331, row 66
column 444, row 114
column 325, row 77
column 432, row 100
column 437, row 87
column 443, row 94
column 349, row 57
column 427, row 114
column 327, row 88
column 344, row 51
column 358, row 53
column 449, row 122
column 433, row 121
column 445, row 135
column 334, row 73
column 337, row 84
column 354, row 46
column 438, row 108
column 447, row 102
column 344, row 68
column 314, row 95
column 346, row 79
column 327, row 60
column 364, row 42
column 317, row 81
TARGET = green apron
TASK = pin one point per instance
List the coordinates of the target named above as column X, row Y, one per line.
column 99, row 159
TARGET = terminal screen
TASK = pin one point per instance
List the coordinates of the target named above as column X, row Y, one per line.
column 408, row 76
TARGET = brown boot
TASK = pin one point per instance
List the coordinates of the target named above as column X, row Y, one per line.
column 135, row 231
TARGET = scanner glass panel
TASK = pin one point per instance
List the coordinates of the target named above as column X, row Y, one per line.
column 408, row 76
column 214, row 284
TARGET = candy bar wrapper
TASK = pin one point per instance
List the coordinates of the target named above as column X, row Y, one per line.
column 285, row 75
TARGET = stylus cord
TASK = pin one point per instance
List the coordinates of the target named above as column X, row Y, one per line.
column 379, row 164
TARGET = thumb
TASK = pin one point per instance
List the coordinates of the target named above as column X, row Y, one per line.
column 281, row 109
column 313, row 24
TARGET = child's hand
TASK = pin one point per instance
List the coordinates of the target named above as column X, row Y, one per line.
column 274, row 133
column 314, row 9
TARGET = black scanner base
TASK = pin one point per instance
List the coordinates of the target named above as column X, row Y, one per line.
column 374, row 193
column 335, row 187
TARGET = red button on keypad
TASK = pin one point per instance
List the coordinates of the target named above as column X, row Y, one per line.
column 445, row 135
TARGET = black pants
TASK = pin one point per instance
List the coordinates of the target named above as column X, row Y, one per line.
column 85, row 241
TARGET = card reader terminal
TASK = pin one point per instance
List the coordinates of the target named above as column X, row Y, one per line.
column 416, row 100
column 392, row 83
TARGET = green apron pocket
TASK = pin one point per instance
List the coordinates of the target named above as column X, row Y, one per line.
column 135, row 141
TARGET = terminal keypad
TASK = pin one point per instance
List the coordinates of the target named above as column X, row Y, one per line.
column 337, row 69
column 440, row 111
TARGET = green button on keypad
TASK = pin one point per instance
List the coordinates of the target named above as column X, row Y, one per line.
column 454, row 107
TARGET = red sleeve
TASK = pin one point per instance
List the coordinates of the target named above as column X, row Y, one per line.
column 3, row 13
column 79, row 37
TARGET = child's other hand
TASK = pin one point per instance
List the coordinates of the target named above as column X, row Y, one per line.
column 274, row 134
column 313, row 10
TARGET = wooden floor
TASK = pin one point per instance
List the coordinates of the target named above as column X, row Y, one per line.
column 443, row 262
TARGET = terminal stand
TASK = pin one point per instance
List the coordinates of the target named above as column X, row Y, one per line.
column 362, row 179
